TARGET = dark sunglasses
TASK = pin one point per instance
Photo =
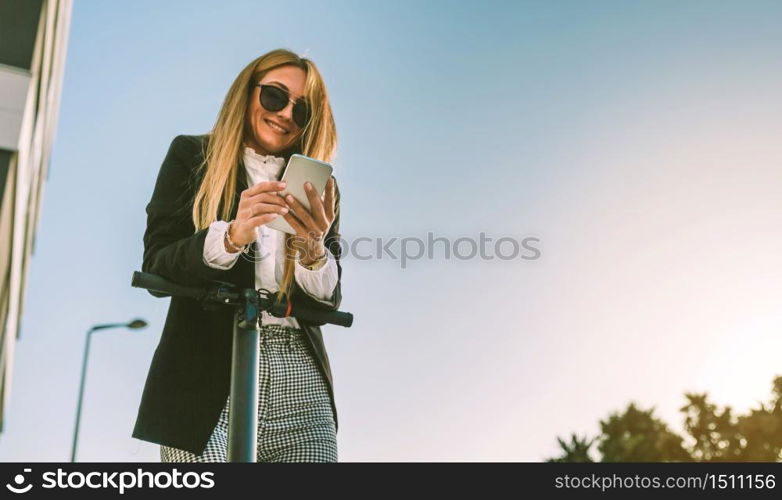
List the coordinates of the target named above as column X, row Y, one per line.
column 274, row 99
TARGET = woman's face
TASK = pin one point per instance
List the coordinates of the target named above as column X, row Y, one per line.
column 260, row 132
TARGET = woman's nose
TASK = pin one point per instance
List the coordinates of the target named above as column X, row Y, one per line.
column 287, row 112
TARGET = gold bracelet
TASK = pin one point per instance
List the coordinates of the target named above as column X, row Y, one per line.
column 231, row 243
column 316, row 264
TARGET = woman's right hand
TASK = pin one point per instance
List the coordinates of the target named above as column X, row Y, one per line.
column 258, row 205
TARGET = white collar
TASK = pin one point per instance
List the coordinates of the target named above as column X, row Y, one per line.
column 268, row 164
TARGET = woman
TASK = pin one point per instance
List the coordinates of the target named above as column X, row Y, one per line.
column 207, row 221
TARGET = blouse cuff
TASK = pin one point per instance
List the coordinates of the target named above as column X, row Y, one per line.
column 215, row 254
column 319, row 283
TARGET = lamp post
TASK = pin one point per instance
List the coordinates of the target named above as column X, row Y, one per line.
column 133, row 325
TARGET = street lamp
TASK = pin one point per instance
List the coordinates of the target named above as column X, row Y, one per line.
column 133, row 325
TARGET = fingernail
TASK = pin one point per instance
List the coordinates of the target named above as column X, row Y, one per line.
column 308, row 184
column 289, row 198
column 284, row 210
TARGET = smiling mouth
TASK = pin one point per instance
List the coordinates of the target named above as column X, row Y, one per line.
column 276, row 127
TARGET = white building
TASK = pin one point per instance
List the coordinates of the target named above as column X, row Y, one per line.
column 33, row 40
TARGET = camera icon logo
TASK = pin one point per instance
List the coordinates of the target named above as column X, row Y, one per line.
column 19, row 480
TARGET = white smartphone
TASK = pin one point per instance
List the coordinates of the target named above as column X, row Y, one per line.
column 299, row 170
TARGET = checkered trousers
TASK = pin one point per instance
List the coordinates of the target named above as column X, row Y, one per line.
column 295, row 418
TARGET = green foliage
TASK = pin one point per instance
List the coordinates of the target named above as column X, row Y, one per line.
column 575, row 451
column 637, row 436
column 714, row 435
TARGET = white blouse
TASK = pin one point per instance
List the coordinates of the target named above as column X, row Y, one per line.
column 270, row 259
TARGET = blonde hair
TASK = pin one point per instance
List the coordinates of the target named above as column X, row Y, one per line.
column 224, row 149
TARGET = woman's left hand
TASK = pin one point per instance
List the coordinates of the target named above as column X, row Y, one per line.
column 311, row 225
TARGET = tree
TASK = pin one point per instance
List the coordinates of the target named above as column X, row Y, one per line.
column 713, row 435
column 575, row 451
column 637, row 436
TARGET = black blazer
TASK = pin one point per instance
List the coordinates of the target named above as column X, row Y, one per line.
column 189, row 377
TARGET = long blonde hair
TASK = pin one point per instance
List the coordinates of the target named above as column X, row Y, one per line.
column 225, row 148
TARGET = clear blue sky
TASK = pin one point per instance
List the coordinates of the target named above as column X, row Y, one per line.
column 638, row 140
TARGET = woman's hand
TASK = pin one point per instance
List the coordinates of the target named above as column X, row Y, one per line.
column 258, row 205
column 311, row 225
